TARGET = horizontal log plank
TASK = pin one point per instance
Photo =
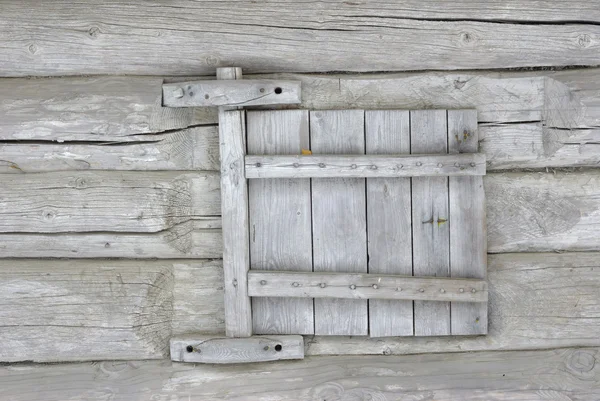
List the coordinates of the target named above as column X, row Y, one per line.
column 242, row 92
column 211, row 349
column 526, row 212
column 369, row 166
column 182, row 150
column 105, row 201
column 110, row 38
column 364, row 286
column 51, row 311
column 526, row 119
column 560, row 374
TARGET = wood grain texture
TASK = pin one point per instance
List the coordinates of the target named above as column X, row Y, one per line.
column 430, row 231
column 364, row 286
column 186, row 149
column 339, row 220
column 368, row 166
column 561, row 374
column 234, row 207
column 104, row 109
column 280, row 220
column 543, row 212
column 109, row 38
column 87, row 201
column 536, row 300
column 193, row 239
column 212, row 93
column 530, row 119
column 468, row 242
column 225, row 350
column 68, row 311
column 389, row 221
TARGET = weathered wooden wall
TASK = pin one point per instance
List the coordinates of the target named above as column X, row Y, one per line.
column 110, row 227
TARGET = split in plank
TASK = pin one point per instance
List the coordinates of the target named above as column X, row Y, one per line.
column 210, row 349
column 239, row 92
column 364, row 286
column 367, row 166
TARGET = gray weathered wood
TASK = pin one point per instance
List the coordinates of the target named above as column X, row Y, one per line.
column 105, row 109
column 210, row 349
column 339, row 220
column 186, row 149
column 431, row 252
column 536, row 300
column 560, row 374
column 105, row 201
column 364, row 286
column 389, row 221
column 107, row 38
column 468, row 242
column 234, row 206
column 63, row 310
column 211, row 93
column 280, row 220
column 369, row 166
column 192, row 239
column 528, row 119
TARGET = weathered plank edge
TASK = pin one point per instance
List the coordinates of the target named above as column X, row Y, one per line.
column 364, row 286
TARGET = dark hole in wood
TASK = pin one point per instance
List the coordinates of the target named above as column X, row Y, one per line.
column 191, row 94
column 278, row 91
column 189, row 348
column 278, row 347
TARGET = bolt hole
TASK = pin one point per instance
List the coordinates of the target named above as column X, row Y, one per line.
column 191, row 94
column 278, row 91
column 189, row 348
column 206, row 96
column 278, row 347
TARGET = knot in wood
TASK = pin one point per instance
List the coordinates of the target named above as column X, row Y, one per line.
column 295, row 284
column 440, row 165
column 581, row 362
column 352, row 287
column 419, row 164
column 461, row 290
column 322, row 165
column 322, row 285
column 353, row 166
column 375, row 286
column 373, row 167
column 296, row 165
column 421, row 289
column 473, row 164
column 473, row 290
column 263, row 282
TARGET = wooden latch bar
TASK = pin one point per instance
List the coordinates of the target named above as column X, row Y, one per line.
column 364, row 286
column 368, row 166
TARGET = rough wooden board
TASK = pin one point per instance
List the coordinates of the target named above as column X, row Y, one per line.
column 561, row 374
column 532, row 119
column 105, row 201
column 280, row 220
column 537, row 300
column 186, row 149
column 367, row 166
column 468, row 242
column 226, row 350
column 430, row 233
column 389, row 221
column 543, row 212
column 71, row 311
column 114, row 38
column 339, row 220
column 364, row 286
column 193, row 239
column 89, row 109
column 234, row 207
column 212, row 93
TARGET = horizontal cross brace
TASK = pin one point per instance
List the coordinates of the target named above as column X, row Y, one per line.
column 215, row 349
column 369, row 166
column 231, row 93
column 364, row 286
